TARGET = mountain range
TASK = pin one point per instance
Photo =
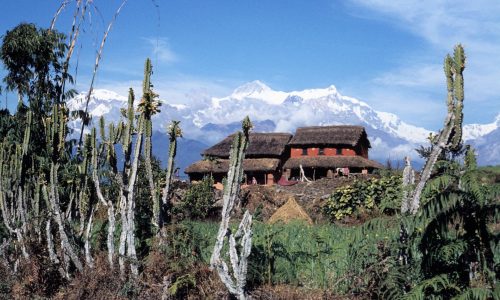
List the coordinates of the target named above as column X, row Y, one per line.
column 207, row 120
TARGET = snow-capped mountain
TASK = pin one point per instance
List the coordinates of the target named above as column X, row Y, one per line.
column 474, row 131
column 101, row 103
column 209, row 120
column 109, row 104
column 485, row 138
column 290, row 110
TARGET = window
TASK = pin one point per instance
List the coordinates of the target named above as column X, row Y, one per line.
column 304, row 151
column 321, row 151
column 339, row 151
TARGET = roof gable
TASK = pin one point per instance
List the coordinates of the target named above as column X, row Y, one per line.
column 260, row 145
column 329, row 135
column 222, row 165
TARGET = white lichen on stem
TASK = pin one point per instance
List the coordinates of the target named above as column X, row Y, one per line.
column 235, row 282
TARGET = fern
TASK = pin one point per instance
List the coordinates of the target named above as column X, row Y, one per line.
column 452, row 234
column 438, row 287
column 477, row 294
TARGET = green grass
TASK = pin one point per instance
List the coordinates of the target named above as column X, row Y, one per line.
column 490, row 175
column 298, row 254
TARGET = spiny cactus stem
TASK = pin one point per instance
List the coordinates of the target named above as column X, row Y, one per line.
column 237, row 282
column 174, row 132
column 450, row 136
column 67, row 248
column 109, row 204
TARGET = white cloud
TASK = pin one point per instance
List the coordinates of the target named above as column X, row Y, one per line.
column 441, row 24
column 162, row 50
column 430, row 75
column 174, row 89
column 380, row 149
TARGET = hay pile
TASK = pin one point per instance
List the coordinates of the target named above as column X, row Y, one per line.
column 290, row 211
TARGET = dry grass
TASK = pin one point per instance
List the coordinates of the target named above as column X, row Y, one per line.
column 289, row 212
column 101, row 282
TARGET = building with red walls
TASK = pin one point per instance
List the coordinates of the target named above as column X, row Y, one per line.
column 263, row 161
column 323, row 151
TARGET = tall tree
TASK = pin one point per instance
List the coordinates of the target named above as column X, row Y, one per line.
column 33, row 58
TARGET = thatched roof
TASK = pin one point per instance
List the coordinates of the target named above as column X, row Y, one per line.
column 331, row 162
column 222, row 165
column 330, row 135
column 260, row 145
column 290, row 211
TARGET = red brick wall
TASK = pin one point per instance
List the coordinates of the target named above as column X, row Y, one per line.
column 297, row 152
column 348, row 152
column 312, row 151
column 330, row 151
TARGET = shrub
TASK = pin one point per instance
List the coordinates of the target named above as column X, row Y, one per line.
column 383, row 194
column 199, row 199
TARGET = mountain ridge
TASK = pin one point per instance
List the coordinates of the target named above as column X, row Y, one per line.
column 278, row 111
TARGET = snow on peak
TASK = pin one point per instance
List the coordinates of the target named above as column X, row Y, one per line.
column 259, row 91
column 252, row 87
column 108, row 95
column 99, row 95
column 473, row 131
column 316, row 93
column 100, row 110
column 255, row 90
column 393, row 124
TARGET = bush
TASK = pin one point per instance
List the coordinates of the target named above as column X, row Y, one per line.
column 383, row 194
column 199, row 199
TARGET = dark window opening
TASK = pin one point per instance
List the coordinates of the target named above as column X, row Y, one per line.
column 339, row 151
column 304, row 151
column 321, row 151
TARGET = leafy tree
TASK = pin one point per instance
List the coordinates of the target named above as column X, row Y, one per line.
column 33, row 59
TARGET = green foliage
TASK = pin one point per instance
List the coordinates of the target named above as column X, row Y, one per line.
column 383, row 194
column 453, row 235
column 320, row 256
column 144, row 229
column 375, row 269
column 8, row 126
column 198, row 200
column 183, row 244
column 33, row 59
column 181, row 286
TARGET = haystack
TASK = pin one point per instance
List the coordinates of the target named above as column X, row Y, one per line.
column 290, row 211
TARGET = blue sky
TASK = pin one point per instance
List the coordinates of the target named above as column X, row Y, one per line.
column 386, row 53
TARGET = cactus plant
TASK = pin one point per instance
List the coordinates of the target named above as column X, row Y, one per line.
column 450, row 137
column 408, row 181
column 148, row 107
column 160, row 209
column 236, row 282
column 126, row 179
